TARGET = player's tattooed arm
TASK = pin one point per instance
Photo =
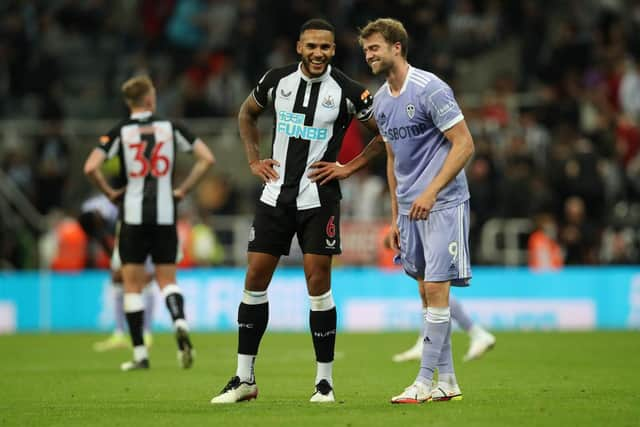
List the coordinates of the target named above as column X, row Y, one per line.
column 250, row 135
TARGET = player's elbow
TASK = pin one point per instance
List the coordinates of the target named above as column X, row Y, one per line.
column 209, row 159
column 206, row 161
column 89, row 170
column 466, row 146
column 471, row 147
column 204, row 155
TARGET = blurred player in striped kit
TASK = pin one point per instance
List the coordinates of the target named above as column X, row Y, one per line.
column 99, row 220
column 147, row 146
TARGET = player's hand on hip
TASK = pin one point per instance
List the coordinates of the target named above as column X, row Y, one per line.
column 326, row 171
column 422, row 206
column 264, row 169
column 116, row 194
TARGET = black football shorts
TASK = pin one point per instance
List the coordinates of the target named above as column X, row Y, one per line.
column 318, row 229
column 135, row 242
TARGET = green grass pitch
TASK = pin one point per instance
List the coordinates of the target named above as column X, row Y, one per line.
column 529, row 379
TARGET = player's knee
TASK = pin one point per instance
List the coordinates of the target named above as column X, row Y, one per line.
column 437, row 294
column 318, row 279
column 257, row 279
column 163, row 279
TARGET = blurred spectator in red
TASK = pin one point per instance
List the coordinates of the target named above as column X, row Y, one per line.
column 70, row 246
column 545, row 252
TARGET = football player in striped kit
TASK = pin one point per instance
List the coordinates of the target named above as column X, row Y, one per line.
column 313, row 105
column 147, row 146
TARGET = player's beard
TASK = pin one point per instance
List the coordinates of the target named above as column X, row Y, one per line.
column 383, row 67
column 307, row 64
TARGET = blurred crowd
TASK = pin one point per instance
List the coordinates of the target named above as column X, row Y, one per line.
column 552, row 99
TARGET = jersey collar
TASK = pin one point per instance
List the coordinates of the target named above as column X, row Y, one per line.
column 141, row 115
column 321, row 78
column 404, row 84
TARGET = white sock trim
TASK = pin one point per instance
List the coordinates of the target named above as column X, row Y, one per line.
column 171, row 289
column 140, row 353
column 245, row 369
column 133, row 302
column 322, row 302
column 438, row 314
column 254, row 297
column 181, row 324
column 324, row 372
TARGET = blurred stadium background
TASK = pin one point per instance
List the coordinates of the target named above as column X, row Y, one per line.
column 552, row 99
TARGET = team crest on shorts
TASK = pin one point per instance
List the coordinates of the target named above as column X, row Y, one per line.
column 411, row 111
column 252, row 234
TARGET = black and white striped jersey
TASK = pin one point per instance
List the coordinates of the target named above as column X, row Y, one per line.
column 311, row 116
column 146, row 146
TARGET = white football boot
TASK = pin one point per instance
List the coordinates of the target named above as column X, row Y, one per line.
column 323, row 393
column 236, row 391
column 481, row 342
column 445, row 392
column 134, row 365
column 415, row 393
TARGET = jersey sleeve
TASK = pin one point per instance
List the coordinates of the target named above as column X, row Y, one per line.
column 263, row 92
column 110, row 142
column 441, row 105
column 184, row 137
column 359, row 100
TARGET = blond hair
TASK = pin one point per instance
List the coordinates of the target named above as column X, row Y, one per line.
column 390, row 29
column 136, row 89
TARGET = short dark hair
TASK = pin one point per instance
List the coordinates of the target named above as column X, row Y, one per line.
column 317, row 24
